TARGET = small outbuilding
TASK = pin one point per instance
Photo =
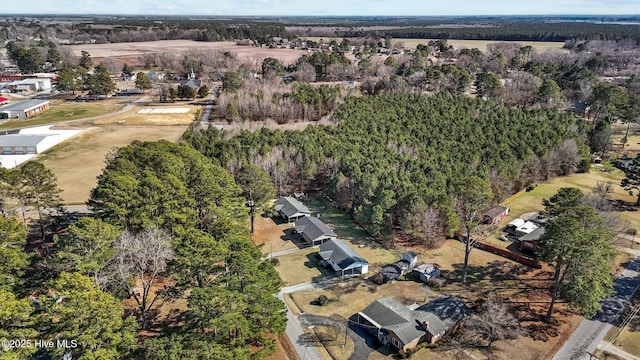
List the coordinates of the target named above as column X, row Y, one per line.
column 495, row 214
column 529, row 242
column 291, row 209
column 393, row 271
column 426, row 271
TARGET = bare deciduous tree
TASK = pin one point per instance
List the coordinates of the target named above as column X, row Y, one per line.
column 67, row 57
column 305, row 73
column 140, row 258
column 494, row 322
column 563, row 159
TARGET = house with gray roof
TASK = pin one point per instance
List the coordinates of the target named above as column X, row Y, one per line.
column 338, row 255
column 291, row 209
column 403, row 328
column 529, row 242
column 314, row 231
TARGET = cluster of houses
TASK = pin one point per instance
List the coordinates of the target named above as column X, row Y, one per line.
column 526, row 231
column 334, row 253
column 391, row 322
column 19, row 83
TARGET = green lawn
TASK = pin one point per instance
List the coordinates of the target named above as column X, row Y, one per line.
column 65, row 111
column 300, row 267
column 343, row 226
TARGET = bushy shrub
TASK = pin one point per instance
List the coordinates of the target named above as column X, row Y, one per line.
column 436, row 283
column 322, row 300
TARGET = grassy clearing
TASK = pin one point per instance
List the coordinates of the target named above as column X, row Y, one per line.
column 539, row 46
column 66, row 110
column 78, row 161
column 132, row 117
column 300, row 267
column 629, row 340
column 343, row 226
column 532, row 200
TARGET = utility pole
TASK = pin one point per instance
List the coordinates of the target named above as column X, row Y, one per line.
column 252, row 209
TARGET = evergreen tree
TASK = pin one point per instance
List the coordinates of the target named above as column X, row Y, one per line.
column 142, row 81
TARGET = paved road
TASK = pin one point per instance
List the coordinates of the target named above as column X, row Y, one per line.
column 610, row 348
column 206, row 111
column 590, row 332
column 306, row 350
column 364, row 343
column 321, row 283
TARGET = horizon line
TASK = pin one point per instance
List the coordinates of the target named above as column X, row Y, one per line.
column 319, row 16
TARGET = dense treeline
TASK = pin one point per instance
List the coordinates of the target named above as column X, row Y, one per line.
column 168, row 226
column 512, row 31
column 212, row 260
column 394, row 158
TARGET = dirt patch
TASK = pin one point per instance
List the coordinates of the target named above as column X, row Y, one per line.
column 284, row 349
column 272, row 238
column 131, row 52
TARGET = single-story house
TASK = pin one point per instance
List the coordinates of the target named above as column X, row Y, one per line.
column 529, row 242
column 314, row 231
column 342, row 258
column 156, row 76
column 520, row 227
column 291, row 209
column 404, row 328
column 580, row 108
column 495, row 214
column 23, row 109
column 425, row 272
column 129, row 76
column 628, row 163
column 393, row 271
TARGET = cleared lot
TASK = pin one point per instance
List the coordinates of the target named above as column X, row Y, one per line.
column 78, row 162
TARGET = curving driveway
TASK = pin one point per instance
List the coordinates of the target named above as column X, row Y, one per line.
column 364, row 343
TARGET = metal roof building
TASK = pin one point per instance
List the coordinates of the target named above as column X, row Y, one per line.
column 313, row 230
column 291, row 209
column 23, row 109
column 342, row 258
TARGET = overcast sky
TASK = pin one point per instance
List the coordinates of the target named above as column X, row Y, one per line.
column 325, row 7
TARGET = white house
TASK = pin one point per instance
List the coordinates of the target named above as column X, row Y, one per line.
column 342, row 258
